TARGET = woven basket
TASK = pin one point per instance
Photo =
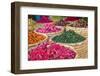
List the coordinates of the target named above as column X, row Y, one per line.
column 82, row 49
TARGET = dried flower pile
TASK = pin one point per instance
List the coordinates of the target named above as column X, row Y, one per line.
column 50, row 51
column 48, row 28
column 34, row 37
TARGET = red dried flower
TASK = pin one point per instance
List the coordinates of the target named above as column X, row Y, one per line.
column 49, row 51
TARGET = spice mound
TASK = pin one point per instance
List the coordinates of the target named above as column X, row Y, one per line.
column 80, row 23
column 68, row 37
column 35, row 37
column 50, row 51
column 48, row 28
column 60, row 23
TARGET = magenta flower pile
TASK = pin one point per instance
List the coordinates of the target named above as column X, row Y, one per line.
column 50, row 51
column 48, row 28
column 44, row 19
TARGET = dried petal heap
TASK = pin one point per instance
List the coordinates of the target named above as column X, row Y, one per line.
column 50, row 51
column 48, row 28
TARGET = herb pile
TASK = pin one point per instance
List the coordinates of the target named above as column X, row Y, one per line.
column 68, row 37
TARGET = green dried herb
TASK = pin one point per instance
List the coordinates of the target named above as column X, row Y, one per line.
column 68, row 37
